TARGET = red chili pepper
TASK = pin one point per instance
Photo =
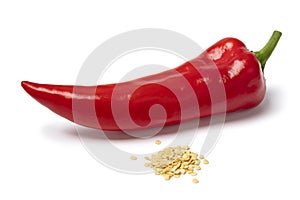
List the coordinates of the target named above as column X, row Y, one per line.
column 241, row 72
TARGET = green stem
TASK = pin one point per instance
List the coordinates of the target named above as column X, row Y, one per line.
column 264, row 54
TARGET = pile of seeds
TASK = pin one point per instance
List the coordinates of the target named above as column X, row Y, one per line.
column 175, row 161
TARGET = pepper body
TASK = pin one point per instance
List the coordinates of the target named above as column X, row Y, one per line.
column 102, row 107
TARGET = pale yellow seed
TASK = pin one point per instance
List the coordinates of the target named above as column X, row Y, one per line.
column 167, row 177
column 174, row 168
column 182, row 171
column 186, row 147
column 147, row 165
column 147, row 158
column 185, row 157
column 159, row 170
column 176, row 176
column 205, row 162
column 197, row 167
column 133, row 158
column 197, row 162
column 201, row 156
column 158, row 142
column 195, row 180
column 194, row 156
column 194, row 174
column 189, row 172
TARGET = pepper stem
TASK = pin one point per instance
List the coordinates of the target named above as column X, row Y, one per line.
column 264, row 54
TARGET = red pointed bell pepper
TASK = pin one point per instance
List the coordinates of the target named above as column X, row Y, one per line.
column 241, row 73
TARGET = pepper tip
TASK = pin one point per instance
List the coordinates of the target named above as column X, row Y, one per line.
column 26, row 85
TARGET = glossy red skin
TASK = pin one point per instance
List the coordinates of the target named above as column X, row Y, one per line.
column 239, row 69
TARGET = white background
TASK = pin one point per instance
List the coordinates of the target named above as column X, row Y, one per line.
column 41, row 156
